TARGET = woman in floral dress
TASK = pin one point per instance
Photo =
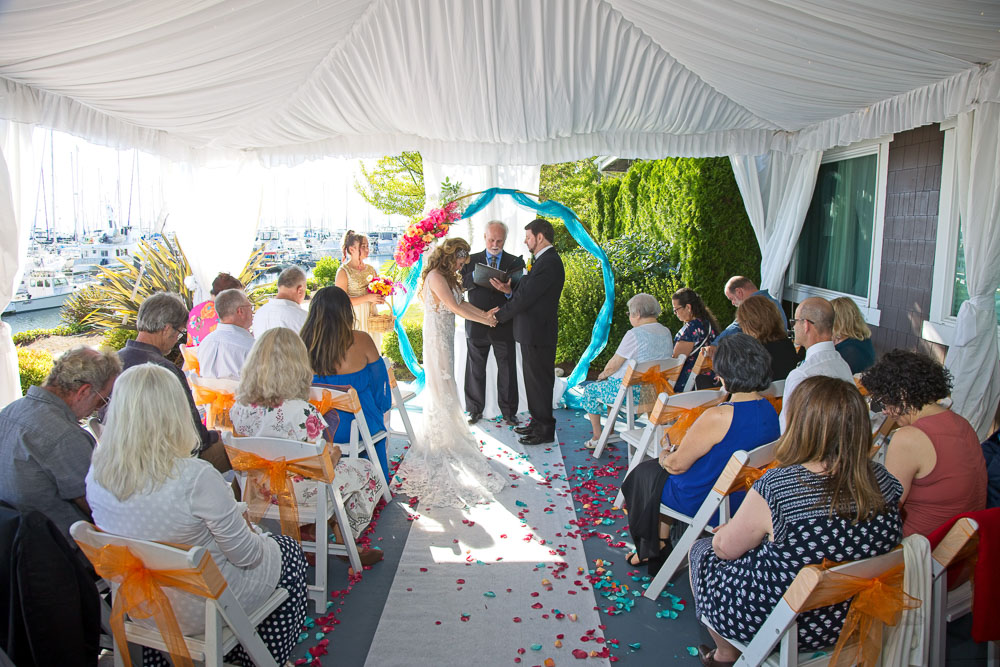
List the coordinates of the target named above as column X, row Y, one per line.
column 699, row 328
column 272, row 401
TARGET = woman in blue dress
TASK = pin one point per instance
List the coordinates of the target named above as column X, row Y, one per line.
column 647, row 340
column 699, row 328
column 683, row 475
column 342, row 356
column 826, row 500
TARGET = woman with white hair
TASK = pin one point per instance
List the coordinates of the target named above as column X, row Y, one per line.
column 647, row 340
column 144, row 483
column 273, row 402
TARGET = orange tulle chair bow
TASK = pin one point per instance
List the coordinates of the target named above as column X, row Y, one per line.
column 347, row 402
column 190, row 359
column 876, row 603
column 218, row 402
column 276, row 476
column 662, row 381
column 140, row 594
column 683, row 418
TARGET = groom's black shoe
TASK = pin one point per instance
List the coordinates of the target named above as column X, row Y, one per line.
column 527, row 429
column 536, row 439
column 474, row 417
column 511, row 421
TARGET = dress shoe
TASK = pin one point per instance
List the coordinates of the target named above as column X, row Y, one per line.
column 511, row 421
column 527, row 429
column 474, row 417
column 536, row 439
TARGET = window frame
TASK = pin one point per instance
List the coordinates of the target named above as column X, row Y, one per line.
column 939, row 327
column 868, row 305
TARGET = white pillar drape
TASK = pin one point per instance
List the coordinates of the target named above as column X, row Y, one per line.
column 17, row 159
column 776, row 189
column 972, row 356
column 214, row 211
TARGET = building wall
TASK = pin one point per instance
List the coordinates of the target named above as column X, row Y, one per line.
column 909, row 237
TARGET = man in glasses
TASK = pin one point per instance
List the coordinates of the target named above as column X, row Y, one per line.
column 813, row 327
column 222, row 353
column 161, row 323
column 44, row 452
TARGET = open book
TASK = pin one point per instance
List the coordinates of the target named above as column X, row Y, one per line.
column 482, row 273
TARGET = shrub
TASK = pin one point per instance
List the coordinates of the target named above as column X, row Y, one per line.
column 325, row 271
column 390, row 343
column 116, row 338
column 638, row 266
column 31, row 335
column 34, row 367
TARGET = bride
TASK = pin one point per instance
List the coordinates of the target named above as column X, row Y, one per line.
column 446, row 468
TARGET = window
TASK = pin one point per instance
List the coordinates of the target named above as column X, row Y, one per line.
column 839, row 251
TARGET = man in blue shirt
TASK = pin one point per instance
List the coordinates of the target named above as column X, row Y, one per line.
column 738, row 289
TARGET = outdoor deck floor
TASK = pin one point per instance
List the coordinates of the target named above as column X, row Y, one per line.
column 635, row 636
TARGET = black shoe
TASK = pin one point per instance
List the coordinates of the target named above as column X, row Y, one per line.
column 474, row 417
column 527, row 429
column 536, row 439
column 511, row 421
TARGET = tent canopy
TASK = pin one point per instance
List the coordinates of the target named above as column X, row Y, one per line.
column 492, row 81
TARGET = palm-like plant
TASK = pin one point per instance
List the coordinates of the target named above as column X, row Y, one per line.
column 159, row 266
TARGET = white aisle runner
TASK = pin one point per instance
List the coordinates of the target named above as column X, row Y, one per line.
column 476, row 586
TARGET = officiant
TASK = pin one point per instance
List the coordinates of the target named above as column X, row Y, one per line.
column 481, row 338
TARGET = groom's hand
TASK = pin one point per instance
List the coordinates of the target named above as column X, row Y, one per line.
column 499, row 286
column 491, row 315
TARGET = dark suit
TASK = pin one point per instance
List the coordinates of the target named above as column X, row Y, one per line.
column 481, row 338
column 534, row 307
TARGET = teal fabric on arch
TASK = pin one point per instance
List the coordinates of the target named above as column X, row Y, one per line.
column 550, row 209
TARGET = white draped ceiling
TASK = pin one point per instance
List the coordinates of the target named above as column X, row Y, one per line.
column 492, row 81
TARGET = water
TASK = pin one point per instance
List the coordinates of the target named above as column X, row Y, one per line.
column 36, row 319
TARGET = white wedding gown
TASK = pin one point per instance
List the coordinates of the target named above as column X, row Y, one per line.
column 445, row 467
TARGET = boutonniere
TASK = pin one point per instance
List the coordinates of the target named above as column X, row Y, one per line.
column 527, row 267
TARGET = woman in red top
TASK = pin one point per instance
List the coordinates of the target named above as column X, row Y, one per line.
column 935, row 454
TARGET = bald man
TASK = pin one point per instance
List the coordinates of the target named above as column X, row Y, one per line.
column 813, row 326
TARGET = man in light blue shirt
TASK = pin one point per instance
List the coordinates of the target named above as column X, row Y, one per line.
column 738, row 289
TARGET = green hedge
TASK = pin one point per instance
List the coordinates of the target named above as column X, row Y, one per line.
column 31, row 335
column 695, row 206
column 390, row 343
column 116, row 338
column 34, row 367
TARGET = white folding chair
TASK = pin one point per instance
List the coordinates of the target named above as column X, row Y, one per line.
column 218, row 395
column 329, row 503
column 190, row 355
column 699, row 363
column 882, row 428
column 717, row 502
column 399, row 399
column 810, row 585
column 645, row 442
column 226, row 621
column 633, row 369
column 955, row 550
column 348, row 401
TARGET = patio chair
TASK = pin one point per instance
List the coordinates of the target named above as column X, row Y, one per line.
column 645, row 442
column 328, row 503
column 636, row 373
column 733, row 478
column 226, row 621
column 345, row 399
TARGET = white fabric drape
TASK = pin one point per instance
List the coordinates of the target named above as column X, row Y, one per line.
column 776, row 189
column 18, row 166
column 214, row 211
column 972, row 357
column 908, row 642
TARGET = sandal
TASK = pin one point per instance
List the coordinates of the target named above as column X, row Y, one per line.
column 707, row 657
column 633, row 555
column 591, row 444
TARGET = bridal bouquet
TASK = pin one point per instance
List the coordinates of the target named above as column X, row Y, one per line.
column 421, row 234
column 384, row 286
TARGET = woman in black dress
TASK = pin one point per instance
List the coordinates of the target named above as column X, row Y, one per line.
column 759, row 317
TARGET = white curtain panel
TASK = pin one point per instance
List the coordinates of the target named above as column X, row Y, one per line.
column 19, row 162
column 776, row 189
column 972, row 357
column 214, row 210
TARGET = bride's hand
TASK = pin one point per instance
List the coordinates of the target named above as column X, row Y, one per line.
column 491, row 317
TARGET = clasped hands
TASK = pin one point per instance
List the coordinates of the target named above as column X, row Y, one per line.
column 491, row 316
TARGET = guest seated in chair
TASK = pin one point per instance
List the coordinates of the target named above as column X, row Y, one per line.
column 759, row 317
column 203, row 318
column 273, row 402
column 699, row 328
column 645, row 341
column 224, row 351
column 342, row 356
column 826, row 500
column 851, row 335
column 144, row 483
column 682, row 477
column 935, row 454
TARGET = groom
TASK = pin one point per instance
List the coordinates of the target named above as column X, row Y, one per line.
column 482, row 337
column 534, row 307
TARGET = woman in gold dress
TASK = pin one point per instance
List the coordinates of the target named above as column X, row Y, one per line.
column 353, row 276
